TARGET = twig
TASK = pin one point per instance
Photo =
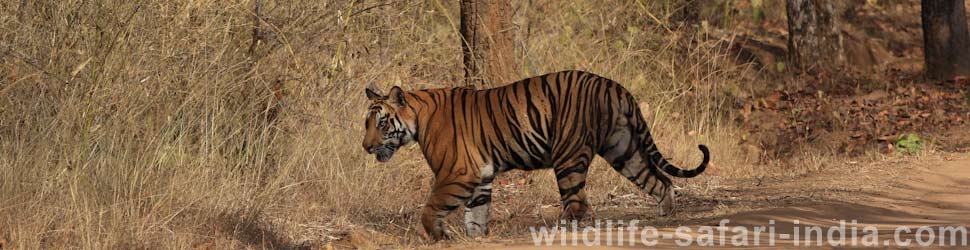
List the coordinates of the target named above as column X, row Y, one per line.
column 114, row 41
column 369, row 8
column 23, row 58
column 20, row 11
column 256, row 20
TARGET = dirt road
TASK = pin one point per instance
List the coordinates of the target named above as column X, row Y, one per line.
column 928, row 200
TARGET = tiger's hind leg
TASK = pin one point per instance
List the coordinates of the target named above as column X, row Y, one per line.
column 571, row 178
column 662, row 189
column 649, row 179
column 626, row 156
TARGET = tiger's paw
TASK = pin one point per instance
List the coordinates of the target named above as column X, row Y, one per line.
column 423, row 233
column 576, row 211
column 667, row 206
column 432, row 236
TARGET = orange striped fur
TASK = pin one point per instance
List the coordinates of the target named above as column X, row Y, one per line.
column 559, row 121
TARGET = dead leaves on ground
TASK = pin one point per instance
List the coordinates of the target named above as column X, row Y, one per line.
column 782, row 119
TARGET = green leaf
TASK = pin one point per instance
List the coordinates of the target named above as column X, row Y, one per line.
column 909, row 143
column 757, row 13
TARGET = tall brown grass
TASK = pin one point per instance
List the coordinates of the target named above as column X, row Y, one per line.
column 151, row 124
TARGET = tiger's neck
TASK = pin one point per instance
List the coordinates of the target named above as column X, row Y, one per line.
column 436, row 119
column 426, row 104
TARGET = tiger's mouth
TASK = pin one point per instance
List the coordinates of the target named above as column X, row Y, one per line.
column 384, row 153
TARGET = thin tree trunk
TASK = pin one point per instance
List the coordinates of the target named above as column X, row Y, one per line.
column 487, row 31
column 814, row 36
column 946, row 40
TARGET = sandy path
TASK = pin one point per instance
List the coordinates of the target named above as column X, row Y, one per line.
column 932, row 197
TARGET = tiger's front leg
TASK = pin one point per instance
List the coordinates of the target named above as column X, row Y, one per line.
column 446, row 196
column 477, row 211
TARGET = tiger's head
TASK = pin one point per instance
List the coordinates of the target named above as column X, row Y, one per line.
column 390, row 123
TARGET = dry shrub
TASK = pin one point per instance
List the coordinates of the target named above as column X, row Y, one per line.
column 143, row 124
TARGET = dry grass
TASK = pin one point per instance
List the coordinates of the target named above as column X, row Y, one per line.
column 150, row 124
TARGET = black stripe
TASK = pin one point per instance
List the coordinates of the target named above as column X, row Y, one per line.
column 479, row 200
column 579, row 168
column 444, row 207
column 467, row 187
column 566, row 193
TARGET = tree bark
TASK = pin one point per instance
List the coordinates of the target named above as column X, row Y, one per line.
column 487, row 32
column 946, row 40
column 814, row 36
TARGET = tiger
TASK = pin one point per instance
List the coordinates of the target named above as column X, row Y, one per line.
column 557, row 120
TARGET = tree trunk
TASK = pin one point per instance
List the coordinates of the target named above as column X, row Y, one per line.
column 946, row 40
column 814, row 36
column 688, row 13
column 486, row 32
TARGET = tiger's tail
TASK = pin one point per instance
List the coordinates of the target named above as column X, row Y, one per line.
column 672, row 170
column 657, row 159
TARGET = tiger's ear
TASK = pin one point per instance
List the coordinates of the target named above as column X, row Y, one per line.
column 373, row 96
column 396, row 96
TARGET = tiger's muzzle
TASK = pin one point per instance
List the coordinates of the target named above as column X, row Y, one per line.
column 383, row 152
